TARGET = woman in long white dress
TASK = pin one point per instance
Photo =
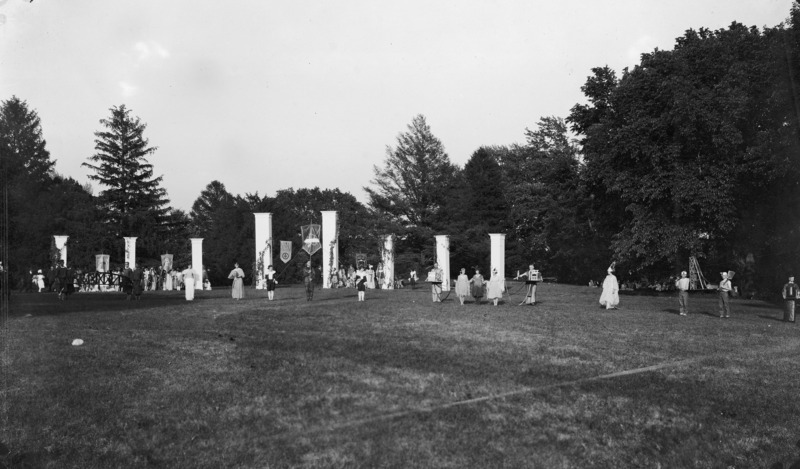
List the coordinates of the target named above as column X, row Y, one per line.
column 188, row 282
column 496, row 287
column 237, row 288
column 462, row 286
column 610, row 296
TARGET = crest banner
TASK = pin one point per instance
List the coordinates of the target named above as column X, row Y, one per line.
column 286, row 251
column 312, row 235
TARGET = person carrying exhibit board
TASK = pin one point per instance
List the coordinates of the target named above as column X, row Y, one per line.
column 532, row 277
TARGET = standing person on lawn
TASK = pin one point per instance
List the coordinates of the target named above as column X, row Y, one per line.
column 462, row 286
column 137, row 281
column 530, row 285
column 496, row 287
column 189, row 275
column 361, row 282
column 237, row 287
column 725, row 289
column 610, row 296
column 477, row 288
column 682, row 284
column 308, row 279
column 271, row 282
column 790, row 293
column 125, row 281
column 436, row 277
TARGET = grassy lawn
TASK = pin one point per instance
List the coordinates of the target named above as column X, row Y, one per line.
column 397, row 381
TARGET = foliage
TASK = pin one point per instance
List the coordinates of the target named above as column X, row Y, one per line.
column 476, row 208
column 132, row 198
column 40, row 202
column 690, row 152
column 411, row 189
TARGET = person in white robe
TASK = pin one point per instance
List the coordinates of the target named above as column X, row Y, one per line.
column 188, row 282
column 610, row 296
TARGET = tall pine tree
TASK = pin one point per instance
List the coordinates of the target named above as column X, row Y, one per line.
column 133, row 199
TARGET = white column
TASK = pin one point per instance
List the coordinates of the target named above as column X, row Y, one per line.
column 61, row 245
column 197, row 262
column 330, row 246
column 263, row 247
column 498, row 253
column 443, row 259
column 130, row 251
column 101, row 262
column 387, row 257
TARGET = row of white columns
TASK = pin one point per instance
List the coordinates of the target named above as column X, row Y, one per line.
column 330, row 250
column 130, row 253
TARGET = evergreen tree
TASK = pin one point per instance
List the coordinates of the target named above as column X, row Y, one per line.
column 412, row 187
column 27, row 172
column 132, row 198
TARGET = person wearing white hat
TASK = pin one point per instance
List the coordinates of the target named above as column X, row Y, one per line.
column 682, row 284
column 496, row 287
column 610, row 296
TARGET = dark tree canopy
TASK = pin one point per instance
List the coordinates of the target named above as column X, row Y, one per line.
column 691, row 154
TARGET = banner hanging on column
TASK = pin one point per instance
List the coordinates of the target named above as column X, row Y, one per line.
column 166, row 262
column 286, row 251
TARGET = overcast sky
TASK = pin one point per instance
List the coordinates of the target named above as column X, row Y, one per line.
column 267, row 95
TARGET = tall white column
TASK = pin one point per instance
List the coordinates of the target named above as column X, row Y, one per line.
column 263, row 247
column 61, row 245
column 130, row 252
column 387, row 258
column 498, row 253
column 330, row 246
column 443, row 259
column 197, row 262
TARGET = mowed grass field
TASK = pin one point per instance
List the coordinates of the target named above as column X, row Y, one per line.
column 397, row 381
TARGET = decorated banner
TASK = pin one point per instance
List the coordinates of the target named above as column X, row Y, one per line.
column 361, row 259
column 166, row 262
column 101, row 261
column 286, row 251
column 311, row 235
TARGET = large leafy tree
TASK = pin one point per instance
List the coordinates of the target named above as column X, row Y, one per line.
column 132, row 197
column 686, row 150
column 411, row 189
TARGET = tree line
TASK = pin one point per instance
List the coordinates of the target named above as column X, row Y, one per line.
column 695, row 151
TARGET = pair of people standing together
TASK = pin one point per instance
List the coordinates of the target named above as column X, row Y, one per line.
column 237, row 287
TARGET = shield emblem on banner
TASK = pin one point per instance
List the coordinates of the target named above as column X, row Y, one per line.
column 286, row 251
column 311, row 235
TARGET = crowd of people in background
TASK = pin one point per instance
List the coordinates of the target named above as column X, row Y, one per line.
column 134, row 281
